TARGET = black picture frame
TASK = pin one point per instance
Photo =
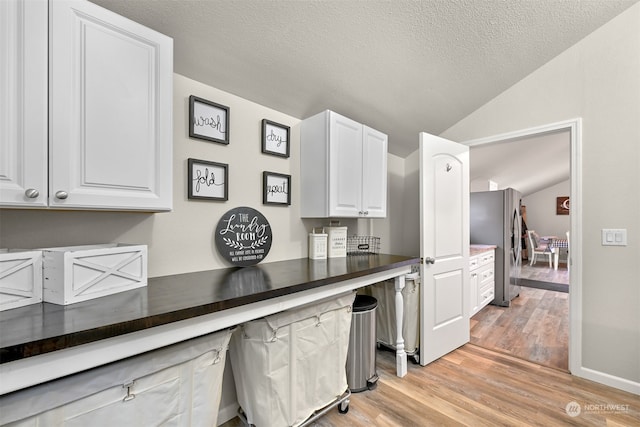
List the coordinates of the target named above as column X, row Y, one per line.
column 208, row 120
column 207, row 180
column 276, row 188
column 275, row 138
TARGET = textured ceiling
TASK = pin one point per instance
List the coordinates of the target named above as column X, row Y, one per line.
column 400, row 66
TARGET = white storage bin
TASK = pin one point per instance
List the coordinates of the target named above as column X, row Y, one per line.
column 317, row 245
column 20, row 278
column 386, row 325
column 336, row 241
column 291, row 364
column 178, row 385
column 79, row 273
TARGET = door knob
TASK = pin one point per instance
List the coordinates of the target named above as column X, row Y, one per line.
column 429, row 260
column 61, row 194
column 32, row 193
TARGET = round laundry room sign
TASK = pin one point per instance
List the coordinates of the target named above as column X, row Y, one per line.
column 243, row 236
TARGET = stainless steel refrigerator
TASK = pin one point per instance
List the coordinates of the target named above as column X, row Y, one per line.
column 495, row 220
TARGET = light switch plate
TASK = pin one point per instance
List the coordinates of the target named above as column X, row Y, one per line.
column 614, row 237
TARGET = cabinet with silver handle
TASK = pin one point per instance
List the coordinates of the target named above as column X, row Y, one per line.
column 482, row 284
column 67, row 71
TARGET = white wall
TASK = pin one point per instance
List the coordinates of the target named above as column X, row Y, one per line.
column 597, row 80
column 410, row 216
column 541, row 211
column 387, row 229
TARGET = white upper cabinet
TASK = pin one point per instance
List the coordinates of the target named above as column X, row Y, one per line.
column 23, row 103
column 109, row 112
column 374, row 173
column 343, row 168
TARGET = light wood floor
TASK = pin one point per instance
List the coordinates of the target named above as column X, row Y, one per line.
column 535, row 327
column 473, row 386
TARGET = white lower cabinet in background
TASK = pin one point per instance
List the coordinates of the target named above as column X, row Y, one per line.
column 481, row 269
column 86, row 111
column 179, row 385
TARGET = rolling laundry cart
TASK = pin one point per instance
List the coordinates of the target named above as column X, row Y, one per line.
column 178, row 385
column 386, row 324
column 289, row 368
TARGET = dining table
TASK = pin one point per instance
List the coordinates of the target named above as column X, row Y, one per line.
column 555, row 246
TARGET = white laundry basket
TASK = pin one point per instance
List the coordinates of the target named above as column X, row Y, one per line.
column 178, row 385
column 386, row 324
column 289, row 365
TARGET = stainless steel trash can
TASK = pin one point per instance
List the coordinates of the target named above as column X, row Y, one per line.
column 361, row 357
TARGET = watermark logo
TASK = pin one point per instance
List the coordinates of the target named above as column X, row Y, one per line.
column 573, row 409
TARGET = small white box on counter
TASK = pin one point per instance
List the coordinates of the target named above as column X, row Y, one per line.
column 20, row 278
column 79, row 273
column 336, row 241
column 317, row 245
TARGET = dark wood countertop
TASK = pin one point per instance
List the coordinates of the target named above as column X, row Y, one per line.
column 42, row 328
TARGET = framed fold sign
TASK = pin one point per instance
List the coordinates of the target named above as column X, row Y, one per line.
column 207, row 180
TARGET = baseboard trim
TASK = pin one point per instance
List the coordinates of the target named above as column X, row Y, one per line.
column 548, row 286
column 609, row 380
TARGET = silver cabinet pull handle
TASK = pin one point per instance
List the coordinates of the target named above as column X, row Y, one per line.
column 429, row 260
column 61, row 194
column 32, row 193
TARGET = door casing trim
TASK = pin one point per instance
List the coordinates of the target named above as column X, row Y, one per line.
column 574, row 126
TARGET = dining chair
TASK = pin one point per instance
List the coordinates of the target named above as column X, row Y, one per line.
column 536, row 248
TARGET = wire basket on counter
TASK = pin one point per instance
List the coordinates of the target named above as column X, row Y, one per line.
column 363, row 245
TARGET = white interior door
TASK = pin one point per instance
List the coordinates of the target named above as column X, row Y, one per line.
column 444, row 246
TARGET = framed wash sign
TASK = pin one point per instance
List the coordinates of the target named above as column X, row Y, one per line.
column 207, row 180
column 275, row 138
column 276, row 188
column 208, row 120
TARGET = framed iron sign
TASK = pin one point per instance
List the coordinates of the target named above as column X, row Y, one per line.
column 243, row 236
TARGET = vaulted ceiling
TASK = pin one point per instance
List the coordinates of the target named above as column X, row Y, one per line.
column 401, row 66
column 526, row 164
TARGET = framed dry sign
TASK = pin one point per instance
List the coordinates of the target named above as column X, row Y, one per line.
column 207, row 180
column 275, row 138
column 276, row 188
column 208, row 120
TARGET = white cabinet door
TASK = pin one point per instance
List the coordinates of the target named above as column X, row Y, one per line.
column 345, row 167
column 23, row 103
column 374, row 173
column 110, row 111
column 473, row 289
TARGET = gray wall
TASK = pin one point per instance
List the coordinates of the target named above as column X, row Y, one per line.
column 541, row 211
